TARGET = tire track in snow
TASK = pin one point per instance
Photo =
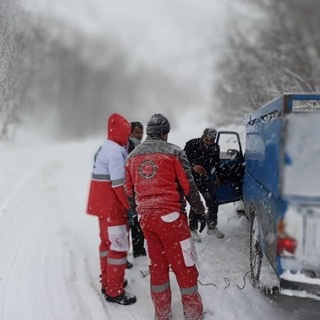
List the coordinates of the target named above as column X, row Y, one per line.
column 79, row 283
column 20, row 227
column 23, row 213
column 82, row 281
column 72, row 273
column 81, row 263
column 11, row 270
column 64, row 283
column 16, row 189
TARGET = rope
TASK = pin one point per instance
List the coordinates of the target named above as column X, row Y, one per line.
column 145, row 273
column 228, row 282
column 207, row 284
column 244, row 281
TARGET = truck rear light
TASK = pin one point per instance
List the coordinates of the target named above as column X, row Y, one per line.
column 285, row 243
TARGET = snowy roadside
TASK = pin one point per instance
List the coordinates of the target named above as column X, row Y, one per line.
column 49, row 264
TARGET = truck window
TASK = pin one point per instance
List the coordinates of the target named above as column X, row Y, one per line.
column 229, row 145
column 302, row 155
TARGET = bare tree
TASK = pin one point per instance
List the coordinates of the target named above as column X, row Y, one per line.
column 6, row 66
column 280, row 54
column 57, row 76
column 13, row 45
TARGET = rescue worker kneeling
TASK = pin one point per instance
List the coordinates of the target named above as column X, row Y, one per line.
column 158, row 178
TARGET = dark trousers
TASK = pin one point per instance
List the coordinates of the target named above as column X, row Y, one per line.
column 211, row 215
column 137, row 237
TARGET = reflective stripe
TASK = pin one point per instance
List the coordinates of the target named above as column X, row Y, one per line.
column 160, row 288
column 103, row 254
column 173, row 216
column 118, row 182
column 117, row 262
column 191, row 290
column 100, row 177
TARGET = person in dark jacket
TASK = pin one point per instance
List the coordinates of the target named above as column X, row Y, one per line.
column 136, row 135
column 158, row 181
column 204, row 157
column 136, row 232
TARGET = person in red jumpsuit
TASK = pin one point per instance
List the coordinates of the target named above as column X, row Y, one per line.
column 158, row 179
column 109, row 203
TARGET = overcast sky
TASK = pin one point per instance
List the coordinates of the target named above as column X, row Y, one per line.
column 177, row 42
column 182, row 37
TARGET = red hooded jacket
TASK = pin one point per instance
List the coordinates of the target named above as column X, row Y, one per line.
column 106, row 194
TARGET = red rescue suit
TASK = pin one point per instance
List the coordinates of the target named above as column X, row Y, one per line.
column 157, row 180
column 108, row 201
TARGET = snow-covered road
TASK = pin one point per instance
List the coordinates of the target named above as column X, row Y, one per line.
column 49, row 266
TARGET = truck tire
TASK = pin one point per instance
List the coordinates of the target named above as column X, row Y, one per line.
column 256, row 253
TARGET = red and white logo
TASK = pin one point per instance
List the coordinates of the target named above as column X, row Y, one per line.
column 147, row 169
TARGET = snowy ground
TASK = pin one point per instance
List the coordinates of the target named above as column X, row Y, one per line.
column 49, row 263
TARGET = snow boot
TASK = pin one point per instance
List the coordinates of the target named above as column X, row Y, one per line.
column 129, row 265
column 124, row 299
column 216, row 232
column 140, row 253
column 195, row 236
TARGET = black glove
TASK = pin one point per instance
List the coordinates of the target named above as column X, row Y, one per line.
column 202, row 219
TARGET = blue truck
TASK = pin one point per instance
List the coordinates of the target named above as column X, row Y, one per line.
column 278, row 180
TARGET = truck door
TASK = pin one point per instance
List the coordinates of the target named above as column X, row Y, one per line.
column 231, row 167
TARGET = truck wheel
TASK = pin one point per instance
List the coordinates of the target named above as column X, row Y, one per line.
column 256, row 254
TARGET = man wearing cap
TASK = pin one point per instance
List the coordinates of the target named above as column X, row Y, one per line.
column 158, row 178
column 204, row 157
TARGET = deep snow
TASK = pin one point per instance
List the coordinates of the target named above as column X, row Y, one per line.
column 49, row 266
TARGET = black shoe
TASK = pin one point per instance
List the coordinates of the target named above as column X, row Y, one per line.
column 124, row 299
column 125, row 283
column 139, row 253
column 129, row 265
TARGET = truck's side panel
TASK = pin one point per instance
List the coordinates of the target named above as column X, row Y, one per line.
column 279, row 191
column 263, row 151
column 261, row 179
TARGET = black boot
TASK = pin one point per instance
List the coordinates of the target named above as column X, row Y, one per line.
column 129, row 265
column 140, row 253
column 124, row 299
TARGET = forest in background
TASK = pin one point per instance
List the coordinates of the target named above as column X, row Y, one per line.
column 276, row 51
column 61, row 77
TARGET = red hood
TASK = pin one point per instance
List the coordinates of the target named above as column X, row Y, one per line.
column 119, row 129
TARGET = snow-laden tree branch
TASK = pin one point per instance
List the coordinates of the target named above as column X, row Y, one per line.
column 276, row 53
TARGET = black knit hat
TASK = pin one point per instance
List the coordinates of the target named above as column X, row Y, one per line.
column 210, row 132
column 158, row 125
column 135, row 124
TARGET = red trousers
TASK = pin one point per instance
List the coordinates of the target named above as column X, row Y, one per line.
column 113, row 249
column 169, row 245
